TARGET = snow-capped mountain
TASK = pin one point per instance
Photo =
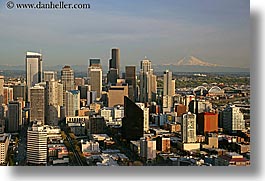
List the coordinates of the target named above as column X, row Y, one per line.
column 194, row 61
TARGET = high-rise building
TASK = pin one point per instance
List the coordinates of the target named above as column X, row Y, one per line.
column 37, row 145
column 168, row 91
column 148, row 84
column 97, row 125
column 60, row 94
column 114, row 62
column 130, row 78
column 49, row 75
column 33, row 69
column 147, row 148
column 207, row 122
column 146, row 115
column 1, row 89
column 14, row 116
column 96, row 81
column 133, row 121
column 163, row 144
column 91, row 97
column 4, row 143
column 19, row 90
column 167, row 83
column 72, row 102
column 67, row 76
column 112, row 76
column 94, row 62
column 52, row 103
column 116, row 95
column 8, row 95
column 188, row 130
column 233, row 119
column 37, row 104
column 83, row 91
column 79, row 81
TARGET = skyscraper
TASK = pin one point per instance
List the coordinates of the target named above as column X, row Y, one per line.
column 14, row 116
column 33, row 69
column 72, row 102
column 19, row 90
column 67, row 74
column 52, row 104
column 49, row 75
column 1, row 89
column 133, row 121
column 130, row 78
column 116, row 95
column 167, row 91
column 95, row 76
column 37, row 104
column 188, row 130
column 114, row 62
column 233, row 119
column 148, row 84
column 96, row 81
column 8, row 95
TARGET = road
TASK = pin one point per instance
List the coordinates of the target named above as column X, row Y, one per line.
column 21, row 150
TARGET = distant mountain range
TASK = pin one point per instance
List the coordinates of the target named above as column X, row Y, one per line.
column 194, row 64
column 186, row 64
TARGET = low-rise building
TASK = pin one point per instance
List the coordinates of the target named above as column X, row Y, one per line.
column 232, row 159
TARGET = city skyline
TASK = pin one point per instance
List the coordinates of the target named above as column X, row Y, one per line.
column 164, row 31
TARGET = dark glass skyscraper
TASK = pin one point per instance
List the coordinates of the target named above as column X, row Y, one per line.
column 130, row 78
column 114, row 66
column 133, row 121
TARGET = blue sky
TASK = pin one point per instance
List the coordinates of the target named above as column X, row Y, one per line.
column 217, row 31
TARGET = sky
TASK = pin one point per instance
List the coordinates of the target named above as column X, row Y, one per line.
column 217, row 31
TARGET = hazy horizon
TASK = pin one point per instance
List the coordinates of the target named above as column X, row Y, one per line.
column 165, row 31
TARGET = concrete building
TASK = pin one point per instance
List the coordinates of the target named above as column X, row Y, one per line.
column 147, row 148
column 52, row 106
column 67, row 77
column 78, row 124
column 19, row 90
column 60, row 94
column 2, row 81
column 118, row 112
column 107, row 113
column 96, row 81
column 14, row 116
column 49, row 75
column 90, row 147
column 188, row 131
column 8, row 95
column 37, row 104
column 95, row 76
column 233, row 119
column 97, row 125
column 37, row 145
column 163, row 144
column 79, row 81
column 72, row 102
column 33, row 69
column 116, row 95
column 4, row 143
